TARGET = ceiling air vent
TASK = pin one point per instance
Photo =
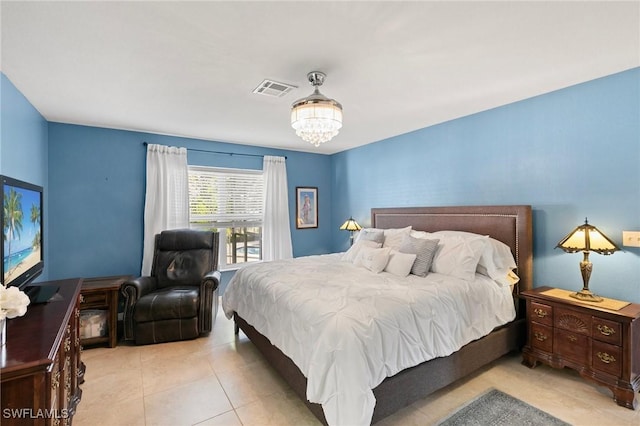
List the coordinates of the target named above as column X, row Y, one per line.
column 273, row 88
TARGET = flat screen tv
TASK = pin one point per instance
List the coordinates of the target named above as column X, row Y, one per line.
column 22, row 224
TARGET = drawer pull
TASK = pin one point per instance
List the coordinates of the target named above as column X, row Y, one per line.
column 540, row 336
column 541, row 313
column 81, row 298
column 606, row 358
column 572, row 338
column 605, row 330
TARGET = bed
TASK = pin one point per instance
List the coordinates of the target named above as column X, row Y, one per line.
column 511, row 225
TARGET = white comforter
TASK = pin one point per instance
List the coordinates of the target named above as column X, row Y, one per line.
column 347, row 328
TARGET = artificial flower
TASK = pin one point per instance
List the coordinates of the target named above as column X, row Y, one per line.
column 13, row 302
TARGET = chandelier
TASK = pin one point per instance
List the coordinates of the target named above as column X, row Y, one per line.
column 316, row 118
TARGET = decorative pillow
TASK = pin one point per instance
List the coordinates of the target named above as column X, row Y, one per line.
column 371, row 234
column 400, row 263
column 394, row 237
column 353, row 251
column 374, row 259
column 424, row 250
column 458, row 256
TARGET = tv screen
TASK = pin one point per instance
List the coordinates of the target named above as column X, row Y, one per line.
column 22, row 253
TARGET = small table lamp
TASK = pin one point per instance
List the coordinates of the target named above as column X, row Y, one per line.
column 351, row 225
column 587, row 238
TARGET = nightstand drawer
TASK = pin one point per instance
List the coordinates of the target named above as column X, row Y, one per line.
column 571, row 345
column 607, row 358
column 541, row 313
column 578, row 322
column 95, row 298
column 541, row 337
column 606, row 331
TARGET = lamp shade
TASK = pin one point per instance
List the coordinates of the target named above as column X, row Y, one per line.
column 350, row 225
column 587, row 238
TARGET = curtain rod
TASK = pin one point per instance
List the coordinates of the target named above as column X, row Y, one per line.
column 219, row 152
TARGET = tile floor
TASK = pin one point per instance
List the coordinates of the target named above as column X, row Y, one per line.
column 223, row 380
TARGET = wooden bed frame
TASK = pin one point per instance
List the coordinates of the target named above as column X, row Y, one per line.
column 509, row 224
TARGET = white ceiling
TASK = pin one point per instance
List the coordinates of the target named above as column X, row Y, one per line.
column 189, row 68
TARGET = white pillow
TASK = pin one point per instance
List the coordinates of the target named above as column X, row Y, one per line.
column 496, row 258
column 394, row 237
column 422, row 235
column 496, row 262
column 374, row 259
column 353, row 251
column 400, row 263
column 372, row 234
column 458, row 256
column 503, row 277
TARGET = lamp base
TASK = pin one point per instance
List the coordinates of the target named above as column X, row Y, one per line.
column 586, row 296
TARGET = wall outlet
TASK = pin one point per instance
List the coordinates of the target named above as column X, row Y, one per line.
column 631, row 238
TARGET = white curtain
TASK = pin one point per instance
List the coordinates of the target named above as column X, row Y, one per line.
column 276, row 233
column 166, row 204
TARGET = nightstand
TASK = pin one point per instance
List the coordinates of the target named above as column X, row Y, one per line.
column 601, row 344
column 101, row 294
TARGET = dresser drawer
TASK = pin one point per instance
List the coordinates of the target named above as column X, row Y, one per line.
column 571, row 345
column 569, row 320
column 541, row 313
column 606, row 358
column 541, row 337
column 606, row 331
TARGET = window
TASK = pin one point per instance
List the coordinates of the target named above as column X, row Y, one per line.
column 229, row 201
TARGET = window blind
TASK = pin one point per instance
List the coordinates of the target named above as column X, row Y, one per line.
column 227, row 198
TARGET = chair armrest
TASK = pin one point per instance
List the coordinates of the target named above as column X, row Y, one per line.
column 208, row 301
column 136, row 288
column 132, row 290
column 211, row 279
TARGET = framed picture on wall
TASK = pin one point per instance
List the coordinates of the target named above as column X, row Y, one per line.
column 306, row 207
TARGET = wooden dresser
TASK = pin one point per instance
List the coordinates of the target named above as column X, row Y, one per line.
column 40, row 364
column 601, row 344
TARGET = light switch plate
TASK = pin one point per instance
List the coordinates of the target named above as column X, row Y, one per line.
column 631, row 238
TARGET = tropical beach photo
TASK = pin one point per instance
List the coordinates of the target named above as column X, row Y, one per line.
column 21, row 231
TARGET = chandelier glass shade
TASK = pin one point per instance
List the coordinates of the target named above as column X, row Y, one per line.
column 316, row 118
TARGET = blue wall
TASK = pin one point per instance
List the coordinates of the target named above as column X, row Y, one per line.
column 24, row 148
column 97, row 189
column 570, row 154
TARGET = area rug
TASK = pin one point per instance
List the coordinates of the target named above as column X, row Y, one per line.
column 496, row 408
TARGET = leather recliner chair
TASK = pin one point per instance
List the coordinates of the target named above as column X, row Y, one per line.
column 179, row 301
